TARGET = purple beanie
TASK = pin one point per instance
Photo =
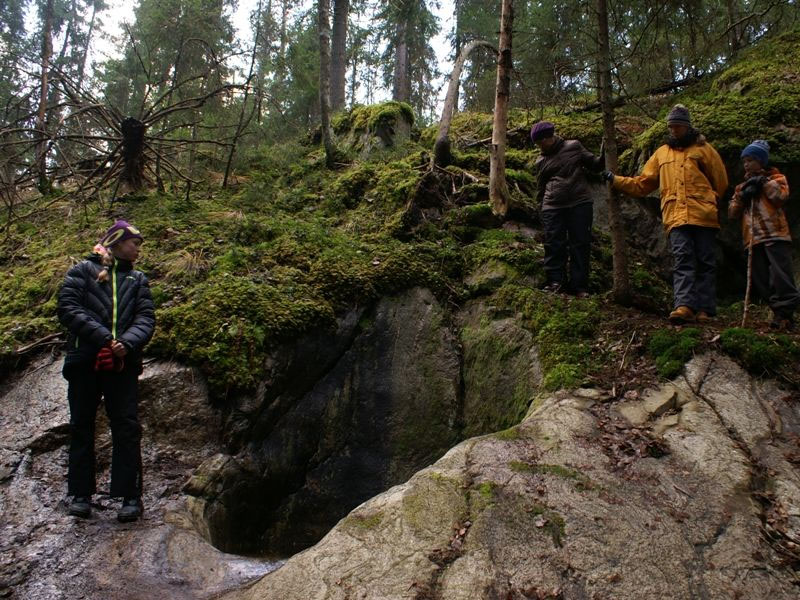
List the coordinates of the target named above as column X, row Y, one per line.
column 758, row 149
column 119, row 232
column 542, row 129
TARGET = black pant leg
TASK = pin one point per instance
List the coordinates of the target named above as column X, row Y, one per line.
column 121, row 397
column 681, row 244
column 554, row 222
column 579, row 225
column 759, row 274
column 705, row 245
column 83, row 395
column 784, row 297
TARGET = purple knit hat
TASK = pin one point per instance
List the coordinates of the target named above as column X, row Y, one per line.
column 541, row 130
column 119, row 232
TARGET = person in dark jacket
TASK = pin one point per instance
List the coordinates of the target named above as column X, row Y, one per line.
column 566, row 208
column 108, row 311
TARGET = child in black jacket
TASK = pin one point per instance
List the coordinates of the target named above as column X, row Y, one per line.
column 108, row 311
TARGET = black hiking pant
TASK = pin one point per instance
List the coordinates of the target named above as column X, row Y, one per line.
column 568, row 234
column 773, row 279
column 120, row 391
column 694, row 267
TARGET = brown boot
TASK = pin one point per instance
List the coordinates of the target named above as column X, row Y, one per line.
column 704, row 317
column 682, row 314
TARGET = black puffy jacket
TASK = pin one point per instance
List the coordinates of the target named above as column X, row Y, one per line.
column 96, row 312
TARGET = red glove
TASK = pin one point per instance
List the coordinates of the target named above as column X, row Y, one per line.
column 104, row 360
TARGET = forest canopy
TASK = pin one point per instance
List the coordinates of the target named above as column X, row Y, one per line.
column 186, row 95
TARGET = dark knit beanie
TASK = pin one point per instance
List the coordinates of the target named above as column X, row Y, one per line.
column 758, row 149
column 679, row 115
column 542, row 129
column 119, row 232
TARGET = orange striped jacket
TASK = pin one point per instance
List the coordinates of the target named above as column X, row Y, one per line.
column 769, row 223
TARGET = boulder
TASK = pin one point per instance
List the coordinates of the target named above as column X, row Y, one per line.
column 574, row 503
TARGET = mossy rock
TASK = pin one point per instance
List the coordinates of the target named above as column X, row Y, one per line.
column 673, row 349
column 760, row 354
column 365, row 129
column 758, row 97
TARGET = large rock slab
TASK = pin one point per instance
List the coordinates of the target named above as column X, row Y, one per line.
column 576, row 503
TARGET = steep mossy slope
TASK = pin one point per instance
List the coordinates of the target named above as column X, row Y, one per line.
column 756, row 98
column 237, row 272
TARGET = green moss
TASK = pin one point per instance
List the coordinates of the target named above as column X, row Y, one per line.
column 672, row 349
column 496, row 376
column 241, row 319
column 363, row 521
column 352, row 185
column 433, row 501
column 483, row 496
column 564, row 332
column 504, row 246
column 758, row 353
column 652, row 291
column 363, row 118
column 509, row 435
column 757, row 97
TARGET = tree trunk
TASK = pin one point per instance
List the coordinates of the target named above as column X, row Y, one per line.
column 735, row 32
column 341, row 12
column 441, row 150
column 324, row 80
column 132, row 154
column 621, row 281
column 241, row 123
column 401, row 83
column 41, row 124
column 498, row 191
column 284, row 41
column 85, row 53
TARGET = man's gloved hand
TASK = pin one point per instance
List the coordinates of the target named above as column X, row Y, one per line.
column 104, row 360
column 119, row 364
column 607, row 176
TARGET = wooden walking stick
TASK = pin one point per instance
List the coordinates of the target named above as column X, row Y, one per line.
column 749, row 267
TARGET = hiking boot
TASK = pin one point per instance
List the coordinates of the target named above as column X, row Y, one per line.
column 81, row 506
column 682, row 314
column 131, row 510
column 582, row 294
column 704, row 317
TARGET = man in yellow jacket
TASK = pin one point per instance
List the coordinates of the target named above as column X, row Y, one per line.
column 692, row 179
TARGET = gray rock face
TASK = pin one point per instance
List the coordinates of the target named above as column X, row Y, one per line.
column 385, row 407
column 46, row 554
column 501, row 369
column 576, row 502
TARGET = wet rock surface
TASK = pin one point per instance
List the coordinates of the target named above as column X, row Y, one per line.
column 47, row 554
column 385, row 404
column 578, row 502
